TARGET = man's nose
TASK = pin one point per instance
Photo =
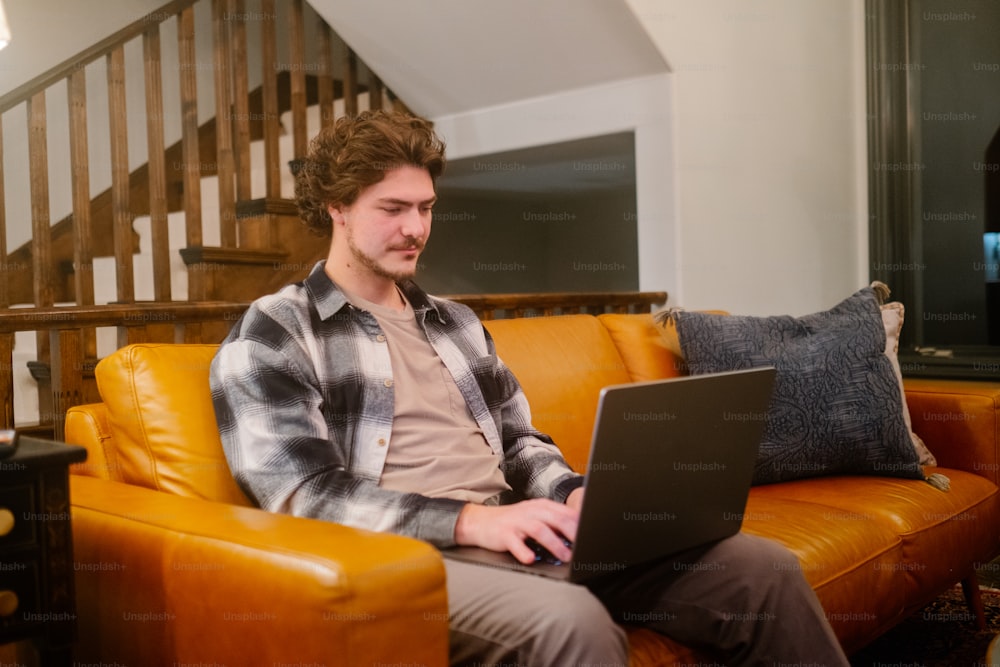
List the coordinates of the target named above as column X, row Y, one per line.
column 412, row 223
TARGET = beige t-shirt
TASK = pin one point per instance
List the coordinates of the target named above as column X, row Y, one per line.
column 436, row 449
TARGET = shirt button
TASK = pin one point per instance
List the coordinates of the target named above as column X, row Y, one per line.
column 388, row 382
column 381, row 442
column 380, row 338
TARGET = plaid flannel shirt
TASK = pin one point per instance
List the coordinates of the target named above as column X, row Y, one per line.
column 302, row 389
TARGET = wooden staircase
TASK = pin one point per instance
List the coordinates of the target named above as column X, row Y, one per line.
column 255, row 227
column 21, row 260
column 91, row 281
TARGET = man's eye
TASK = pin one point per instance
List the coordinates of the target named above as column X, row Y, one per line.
column 392, row 210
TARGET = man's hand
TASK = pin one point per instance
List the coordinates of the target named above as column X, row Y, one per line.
column 575, row 499
column 505, row 527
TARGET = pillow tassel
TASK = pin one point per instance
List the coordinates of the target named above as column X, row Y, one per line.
column 938, row 481
column 667, row 315
column 881, row 290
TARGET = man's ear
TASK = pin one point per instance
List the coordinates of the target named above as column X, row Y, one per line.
column 336, row 214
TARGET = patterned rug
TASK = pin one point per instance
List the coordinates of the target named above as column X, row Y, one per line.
column 943, row 634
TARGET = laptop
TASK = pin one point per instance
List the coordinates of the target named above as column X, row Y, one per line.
column 671, row 463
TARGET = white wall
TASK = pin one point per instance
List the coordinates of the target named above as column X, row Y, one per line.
column 770, row 150
column 751, row 154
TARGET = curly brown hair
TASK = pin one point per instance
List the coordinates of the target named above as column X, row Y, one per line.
column 355, row 153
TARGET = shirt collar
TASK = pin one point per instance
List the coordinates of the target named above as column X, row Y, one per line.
column 329, row 299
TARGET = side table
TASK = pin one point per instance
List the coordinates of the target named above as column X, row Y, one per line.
column 36, row 548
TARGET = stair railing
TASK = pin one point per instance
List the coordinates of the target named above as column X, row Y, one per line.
column 55, row 267
column 188, row 322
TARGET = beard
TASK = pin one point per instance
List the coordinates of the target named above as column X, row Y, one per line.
column 379, row 269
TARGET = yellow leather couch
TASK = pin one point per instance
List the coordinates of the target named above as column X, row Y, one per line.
column 174, row 567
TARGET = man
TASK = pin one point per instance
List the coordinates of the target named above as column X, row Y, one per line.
column 355, row 397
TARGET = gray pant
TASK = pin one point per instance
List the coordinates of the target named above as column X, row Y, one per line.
column 743, row 598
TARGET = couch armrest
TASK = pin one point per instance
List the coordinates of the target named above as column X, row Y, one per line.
column 959, row 420
column 87, row 426
column 159, row 575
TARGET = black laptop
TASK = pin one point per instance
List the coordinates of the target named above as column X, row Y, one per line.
column 670, row 468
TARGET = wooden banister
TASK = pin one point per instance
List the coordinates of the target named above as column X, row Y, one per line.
column 140, row 314
column 493, row 306
column 64, row 330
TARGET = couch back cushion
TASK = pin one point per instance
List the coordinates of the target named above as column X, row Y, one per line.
column 160, row 414
column 645, row 346
column 562, row 362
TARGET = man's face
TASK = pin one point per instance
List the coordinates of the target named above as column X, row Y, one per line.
column 387, row 226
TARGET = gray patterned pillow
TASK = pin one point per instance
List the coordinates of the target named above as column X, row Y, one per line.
column 836, row 407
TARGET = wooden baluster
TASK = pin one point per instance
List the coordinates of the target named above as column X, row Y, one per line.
column 188, row 332
column 223, row 127
column 350, row 83
column 7, row 379
column 326, row 93
column 272, row 127
column 297, row 49
column 159, row 229
column 133, row 333
column 41, row 233
column 374, row 92
column 190, row 151
column 120, row 211
column 241, row 103
column 67, row 374
column 397, row 104
column 38, row 168
column 6, row 268
column 83, row 257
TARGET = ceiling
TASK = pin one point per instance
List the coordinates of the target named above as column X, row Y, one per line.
column 446, row 57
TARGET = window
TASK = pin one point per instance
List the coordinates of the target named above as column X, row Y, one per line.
column 934, row 115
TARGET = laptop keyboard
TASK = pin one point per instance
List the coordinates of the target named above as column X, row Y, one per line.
column 543, row 555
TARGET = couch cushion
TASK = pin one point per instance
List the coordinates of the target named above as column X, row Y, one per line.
column 562, row 363
column 852, row 565
column 643, row 347
column 837, row 404
column 161, row 418
column 874, row 547
column 922, row 517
